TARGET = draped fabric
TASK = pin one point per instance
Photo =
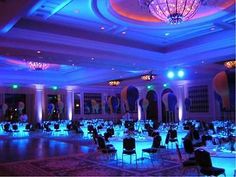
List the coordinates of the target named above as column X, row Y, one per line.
column 224, row 85
column 129, row 96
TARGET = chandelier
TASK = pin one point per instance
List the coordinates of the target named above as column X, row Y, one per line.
column 114, row 83
column 172, row 11
column 230, row 64
column 38, row 66
column 148, row 77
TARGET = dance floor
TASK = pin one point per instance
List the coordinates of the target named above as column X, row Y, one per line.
column 75, row 156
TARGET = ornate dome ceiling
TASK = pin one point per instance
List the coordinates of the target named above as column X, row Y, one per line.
column 131, row 10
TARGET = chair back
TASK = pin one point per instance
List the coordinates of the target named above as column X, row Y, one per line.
column 211, row 127
column 173, row 134
column 156, row 142
column 206, row 138
column 90, row 128
column 14, row 127
column 27, row 126
column 101, row 142
column 167, row 138
column 56, row 126
column 147, row 126
column 110, row 131
column 6, row 127
column 95, row 132
column 129, row 125
column 129, row 144
column 69, row 126
column 188, row 146
column 203, row 158
column 196, row 135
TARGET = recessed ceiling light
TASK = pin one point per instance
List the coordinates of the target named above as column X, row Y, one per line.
column 102, row 27
column 92, row 58
column 73, row 64
column 112, row 69
column 203, row 62
column 76, row 11
column 167, row 34
column 38, row 51
column 124, row 32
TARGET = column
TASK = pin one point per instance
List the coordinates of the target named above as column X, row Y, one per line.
column 38, row 103
column 69, row 103
column 159, row 101
column 104, row 96
column 81, row 103
column 181, row 111
column 142, row 95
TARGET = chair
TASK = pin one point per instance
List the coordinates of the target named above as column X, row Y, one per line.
column 106, row 149
column 129, row 148
column 15, row 130
column 129, row 125
column 111, row 131
column 57, row 127
column 203, row 159
column 206, row 138
column 171, row 137
column 90, row 130
column 57, row 130
column 27, row 127
column 188, row 148
column 186, row 164
column 196, row 139
column 156, row 145
column 46, row 128
column 6, row 127
column 68, row 127
column 95, row 135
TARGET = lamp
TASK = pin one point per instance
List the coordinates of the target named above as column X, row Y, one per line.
column 38, row 66
column 172, row 11
column 114, row 83
column 230, row 64
column 148, row 77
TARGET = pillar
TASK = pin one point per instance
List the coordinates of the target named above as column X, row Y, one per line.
column 69, row 103
column 38, row 103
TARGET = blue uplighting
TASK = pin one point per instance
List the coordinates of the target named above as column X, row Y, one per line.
column 170, row 75
column 180, row 73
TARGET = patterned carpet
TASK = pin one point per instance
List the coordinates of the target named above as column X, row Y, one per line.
column 94, row 165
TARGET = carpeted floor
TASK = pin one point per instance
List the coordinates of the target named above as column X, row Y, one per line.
column 75, row 156
column 93, row 164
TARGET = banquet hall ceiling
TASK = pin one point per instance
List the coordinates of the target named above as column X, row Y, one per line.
column 93, row 41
